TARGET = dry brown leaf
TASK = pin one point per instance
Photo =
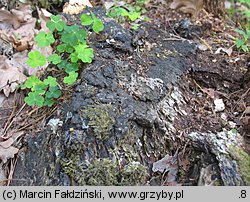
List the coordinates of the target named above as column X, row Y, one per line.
column 75, row 6
column 7, row 143
column 9, row 75
column 44, row 17
column 6, row 103
column 245, row 120
column 6, row 150
column 247, row 110
column 8, row 153
column 162, row 164
column 228, row 51
column 192, row 7
column 15, row 17
column 14, row 71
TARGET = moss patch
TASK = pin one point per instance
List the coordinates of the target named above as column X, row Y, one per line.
column 134, row 174
column 102, row 172
column 243, row 160
column 99, row 120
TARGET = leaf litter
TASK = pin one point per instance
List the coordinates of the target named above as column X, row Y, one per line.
column 18, row 30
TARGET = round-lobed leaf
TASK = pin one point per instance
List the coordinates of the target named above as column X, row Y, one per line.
column 86, row 20
column 51, row 81
column 34, row 98
column 55, row 59
column 36, row 59
column 56, row 23
column 44, row 39
column 97, row 25
column 71, row 78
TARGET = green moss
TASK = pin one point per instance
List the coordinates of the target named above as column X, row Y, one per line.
column 73, row 167
column 102, row 172
column 99, row 120
column 134, row 174
column 243, row 160
column 127, row 145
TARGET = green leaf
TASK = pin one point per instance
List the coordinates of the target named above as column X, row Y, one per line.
column 134, row 16
column 135, row 26
column 86, row 19
column 55, row 59
column 44, row 39
column 98, row 26
column 71, row 78
column 245, row 1
column 247, row 13
column 55, row 23
column 72, row 67
column 234, row 131
column 84, row 53
column 239, row 43
column 65, row 48
column 53, row 92
column 51, row 81
column 124, row 12
column 36, row 59
column 242, row 33
column 34, row 98
column 62, row 64
column 49, row 102
column 244, row 48
column 72, row 35
column 116, row 12
column 40, row 88
column 74, row 57
column 32, row 81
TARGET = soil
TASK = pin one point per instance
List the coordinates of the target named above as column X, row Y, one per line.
column 142, row 100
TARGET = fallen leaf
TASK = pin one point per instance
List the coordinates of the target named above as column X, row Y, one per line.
column 162, row 164
column 18, row 31
column 190, row 7
column 228, row 51
column 9, row 75
column 7, row 143
column 247, row 110
column 245, row 120
column 15, row 17
column 8, row 153
column 108, row 4
column 75, row 6
column 6, row 150
column 44, row 17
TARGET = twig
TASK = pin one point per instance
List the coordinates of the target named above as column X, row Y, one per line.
column 8, row 127
column 204, row 41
